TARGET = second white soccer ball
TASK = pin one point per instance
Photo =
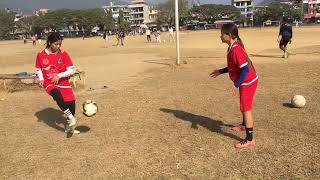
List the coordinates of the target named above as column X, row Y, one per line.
column 298, row 101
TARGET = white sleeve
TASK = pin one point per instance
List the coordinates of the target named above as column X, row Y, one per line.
column 70, row 71
column 39, row 74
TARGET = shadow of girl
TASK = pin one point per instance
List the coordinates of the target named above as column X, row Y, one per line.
column 52, row 117
column 211, row 124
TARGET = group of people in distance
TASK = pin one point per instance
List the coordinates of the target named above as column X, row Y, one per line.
column 54, row 67
column 157, row 35
column 34, row 39
column 120, row 35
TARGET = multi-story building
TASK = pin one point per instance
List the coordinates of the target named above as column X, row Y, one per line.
column 138, row 13
column 245, row 7
column 115, row 11
column 141, row 14
column 153, row 15
column 311, row 10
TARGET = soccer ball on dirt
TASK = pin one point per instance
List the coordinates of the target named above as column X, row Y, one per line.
column 90, row 108
column 298, row 101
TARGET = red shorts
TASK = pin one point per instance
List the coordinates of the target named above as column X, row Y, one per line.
column 66, row 93
column 246, row 96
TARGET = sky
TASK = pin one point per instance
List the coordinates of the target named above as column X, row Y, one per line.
column 58, row 4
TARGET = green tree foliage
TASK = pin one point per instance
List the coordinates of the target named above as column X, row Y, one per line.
column 213, row 12
column 26, row 25
column 109, row 24
column 67, row 18
column 167, row 12
column 275, row 12
column 7, row 23
column 121, row 23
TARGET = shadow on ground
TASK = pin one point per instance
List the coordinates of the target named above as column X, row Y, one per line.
column 265, row 56
column 209, row 123
column 53, row 118
column 288, row 105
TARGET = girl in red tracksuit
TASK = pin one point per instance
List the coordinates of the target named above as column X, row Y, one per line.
column 244, row 77
column 54, row 67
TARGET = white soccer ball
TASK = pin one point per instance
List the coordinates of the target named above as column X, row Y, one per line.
column 90, row 108
column 298, row 101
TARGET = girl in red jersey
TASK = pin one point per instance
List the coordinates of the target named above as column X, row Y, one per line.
column 54, row 67
column 244, row 77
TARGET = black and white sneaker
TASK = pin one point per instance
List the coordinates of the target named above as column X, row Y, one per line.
column 71, row 130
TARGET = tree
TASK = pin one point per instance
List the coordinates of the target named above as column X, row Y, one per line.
column 167, row 12
column 7, row 23
column 121, row 23
column 275, row 12
column 26, row 24
column 213, row 12
column 109, row 24
column 67, row 18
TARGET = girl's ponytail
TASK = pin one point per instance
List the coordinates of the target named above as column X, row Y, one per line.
column 240, row 41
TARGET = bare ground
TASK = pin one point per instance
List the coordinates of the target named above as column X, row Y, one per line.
column 160, row 121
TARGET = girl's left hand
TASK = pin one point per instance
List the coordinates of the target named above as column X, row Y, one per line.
column 55, row 79
column 234, row 90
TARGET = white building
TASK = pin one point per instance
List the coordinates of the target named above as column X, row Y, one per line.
column 140, row 13
column 115, row 11
column 153, row 15
column 245, row 7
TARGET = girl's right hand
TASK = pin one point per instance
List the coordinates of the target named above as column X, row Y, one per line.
column 41, row 83
column 215, row 73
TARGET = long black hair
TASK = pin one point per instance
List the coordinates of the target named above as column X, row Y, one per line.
column 232, row 30
column 53, row 37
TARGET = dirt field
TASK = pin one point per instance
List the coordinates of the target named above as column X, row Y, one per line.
column 160, row 121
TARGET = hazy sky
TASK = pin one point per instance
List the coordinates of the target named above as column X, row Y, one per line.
column 56, row 4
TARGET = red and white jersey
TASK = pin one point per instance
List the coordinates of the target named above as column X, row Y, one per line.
column 237, row 58
column 51, row 64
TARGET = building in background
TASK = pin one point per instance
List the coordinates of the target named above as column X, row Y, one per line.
column 137, row 13
column 40, row 12
column 245, row 7
column 115, row 11
column 141, row 14
column 311, row 10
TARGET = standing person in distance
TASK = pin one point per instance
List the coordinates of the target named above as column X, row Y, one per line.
column 106, row 39
column 171, row 35
column 285, row 36
column 122, row 35
column 148, row 33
